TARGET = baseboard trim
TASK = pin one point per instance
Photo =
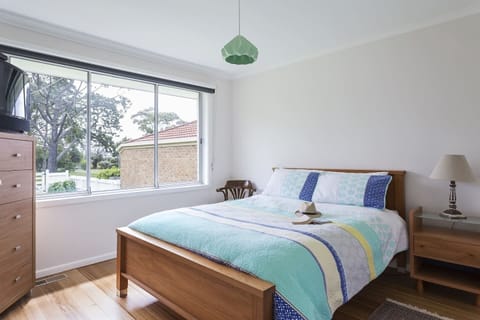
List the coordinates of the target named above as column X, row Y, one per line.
column 74, row 264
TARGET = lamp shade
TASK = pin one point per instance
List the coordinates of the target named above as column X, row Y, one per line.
column 453, row 167
column 240, row 51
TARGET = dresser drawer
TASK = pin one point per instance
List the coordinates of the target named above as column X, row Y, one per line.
column 17, row 246
column 16, row 217
column 15, row 185
column 12, row 259
column 16, row 238
column 14, row 283
column 448, row 251
column 15, row 155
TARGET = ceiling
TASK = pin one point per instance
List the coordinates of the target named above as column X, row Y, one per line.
column 194, row 31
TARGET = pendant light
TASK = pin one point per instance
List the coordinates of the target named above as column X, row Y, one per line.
column 239, row 50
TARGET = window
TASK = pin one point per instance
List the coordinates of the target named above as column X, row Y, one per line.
column 118, row 115
column 99, row 132
column 178, row 114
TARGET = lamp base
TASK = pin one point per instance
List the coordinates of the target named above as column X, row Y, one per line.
column 452, row 214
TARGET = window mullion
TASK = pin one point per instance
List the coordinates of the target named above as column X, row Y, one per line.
column 89, row 122
column 155, row 138
column 200, row 139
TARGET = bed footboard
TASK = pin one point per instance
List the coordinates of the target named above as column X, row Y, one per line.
column 191, row 285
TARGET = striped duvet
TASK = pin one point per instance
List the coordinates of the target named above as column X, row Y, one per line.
column 315, row 268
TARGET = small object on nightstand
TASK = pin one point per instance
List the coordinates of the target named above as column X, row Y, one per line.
column 442, row 255
column 453, row 167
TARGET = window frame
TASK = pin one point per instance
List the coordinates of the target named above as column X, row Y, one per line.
column 46, row 200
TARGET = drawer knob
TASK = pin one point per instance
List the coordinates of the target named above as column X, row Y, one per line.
column 18, row 279
column 17, row 155
column 18, row 216
column 17, row 248
column 18, row 185
column 0, row 182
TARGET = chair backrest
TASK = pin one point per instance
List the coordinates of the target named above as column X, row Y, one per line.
column 238, row 189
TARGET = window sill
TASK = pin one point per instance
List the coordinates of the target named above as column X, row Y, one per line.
column 112, row 195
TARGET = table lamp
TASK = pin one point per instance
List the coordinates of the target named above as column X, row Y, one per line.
column 453, row 167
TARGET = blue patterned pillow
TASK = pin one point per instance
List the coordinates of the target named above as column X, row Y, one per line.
column 295, row 184
column 358, row 189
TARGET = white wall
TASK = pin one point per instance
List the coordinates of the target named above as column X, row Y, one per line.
column 398, row 103
column 68, row 236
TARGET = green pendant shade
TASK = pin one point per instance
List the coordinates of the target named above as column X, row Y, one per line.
column 240, row 51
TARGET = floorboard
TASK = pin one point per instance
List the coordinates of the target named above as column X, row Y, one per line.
column 89, row 293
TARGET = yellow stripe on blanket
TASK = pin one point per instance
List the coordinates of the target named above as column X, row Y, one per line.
column 364, row 243
column 317, row 248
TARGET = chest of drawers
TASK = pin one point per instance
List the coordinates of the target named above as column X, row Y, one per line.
column 17, row 217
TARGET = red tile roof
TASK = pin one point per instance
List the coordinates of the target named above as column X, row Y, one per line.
column 185, row 130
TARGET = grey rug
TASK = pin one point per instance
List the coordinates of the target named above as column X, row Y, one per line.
column 394, row 310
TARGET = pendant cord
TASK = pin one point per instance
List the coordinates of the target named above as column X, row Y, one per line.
column 239, row 17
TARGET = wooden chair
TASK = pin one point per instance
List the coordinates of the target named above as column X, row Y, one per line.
column 239, row 189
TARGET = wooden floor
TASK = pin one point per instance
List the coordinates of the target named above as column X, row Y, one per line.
column 89, row 293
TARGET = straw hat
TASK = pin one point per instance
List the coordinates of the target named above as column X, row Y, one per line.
column 307, row 208
column 306, row 213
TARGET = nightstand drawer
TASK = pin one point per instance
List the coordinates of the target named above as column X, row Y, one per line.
column 454, row 252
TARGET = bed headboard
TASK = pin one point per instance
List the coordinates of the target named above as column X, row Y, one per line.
column 396, row 189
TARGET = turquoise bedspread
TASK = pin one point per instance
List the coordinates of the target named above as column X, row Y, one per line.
column 315, row 268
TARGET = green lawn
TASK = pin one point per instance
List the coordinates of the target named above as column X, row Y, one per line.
column 83, row 173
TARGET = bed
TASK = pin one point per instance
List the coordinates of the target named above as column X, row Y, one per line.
column 212, row 280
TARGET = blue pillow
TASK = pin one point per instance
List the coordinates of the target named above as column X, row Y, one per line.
column 359, row 189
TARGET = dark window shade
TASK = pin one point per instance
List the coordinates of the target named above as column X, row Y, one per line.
column 96, row 68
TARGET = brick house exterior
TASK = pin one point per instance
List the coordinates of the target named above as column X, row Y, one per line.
column 177, row 157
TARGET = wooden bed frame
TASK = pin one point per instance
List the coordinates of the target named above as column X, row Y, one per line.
column 197, row 288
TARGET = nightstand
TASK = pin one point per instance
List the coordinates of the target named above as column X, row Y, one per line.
column 443, row 254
